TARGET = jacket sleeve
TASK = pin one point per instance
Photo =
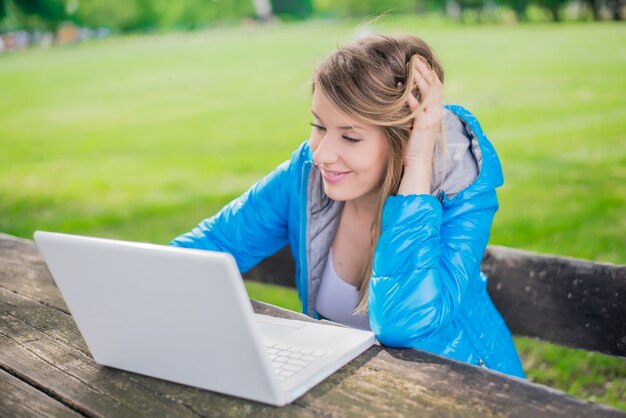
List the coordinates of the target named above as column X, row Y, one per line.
column 423, row 262
column 251, row 227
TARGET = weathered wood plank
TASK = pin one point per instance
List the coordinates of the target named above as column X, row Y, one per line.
column 23, row 270
column 563, row 300
column 278, row 269
column 19, row 399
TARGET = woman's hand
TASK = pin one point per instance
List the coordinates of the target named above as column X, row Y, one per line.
column 427, row 122
column 427, row 125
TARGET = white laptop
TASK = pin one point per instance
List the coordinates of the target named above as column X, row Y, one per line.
column 184, row 315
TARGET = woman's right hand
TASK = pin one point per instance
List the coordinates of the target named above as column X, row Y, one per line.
column 427, row 124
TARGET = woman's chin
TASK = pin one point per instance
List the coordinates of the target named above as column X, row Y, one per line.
column 336, row 194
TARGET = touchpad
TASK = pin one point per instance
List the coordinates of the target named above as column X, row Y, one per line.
column 274, row 331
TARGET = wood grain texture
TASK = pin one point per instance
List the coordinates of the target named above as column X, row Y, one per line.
column 42, row 348
column 23, row 271
column 19, row 399
column 278, row 269
column 567, row 301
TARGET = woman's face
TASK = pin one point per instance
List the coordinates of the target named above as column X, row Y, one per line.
column 350, row 154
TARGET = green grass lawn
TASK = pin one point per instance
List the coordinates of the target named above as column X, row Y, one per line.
column 141, row 137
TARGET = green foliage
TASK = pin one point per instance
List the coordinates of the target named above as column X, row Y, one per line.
column 194, row 14
column 137, row 15
column 367, row 8
column 125, row 15
column 552, row 6
column 519, row 7
column 34, row 14
column 51, row 10
column 146, row 15
column 299, row 9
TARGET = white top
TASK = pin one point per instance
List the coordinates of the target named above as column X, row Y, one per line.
column 336, row 299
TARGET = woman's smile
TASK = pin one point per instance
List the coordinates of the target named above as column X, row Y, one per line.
column 334, row 176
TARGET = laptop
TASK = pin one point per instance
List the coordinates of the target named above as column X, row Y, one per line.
column 183, row 315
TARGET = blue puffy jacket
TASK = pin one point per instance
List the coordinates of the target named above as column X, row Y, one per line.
column 426, row 290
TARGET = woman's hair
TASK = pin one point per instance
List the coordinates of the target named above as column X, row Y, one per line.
column 370, row 80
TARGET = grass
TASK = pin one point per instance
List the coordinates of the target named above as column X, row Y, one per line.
column 141, row 137
column 583, row 374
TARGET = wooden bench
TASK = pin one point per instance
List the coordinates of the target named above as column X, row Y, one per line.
column 46, row 368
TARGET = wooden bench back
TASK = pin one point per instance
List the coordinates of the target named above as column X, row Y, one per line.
column 576, row 303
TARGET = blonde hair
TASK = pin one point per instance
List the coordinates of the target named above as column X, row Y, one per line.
column 370, row 80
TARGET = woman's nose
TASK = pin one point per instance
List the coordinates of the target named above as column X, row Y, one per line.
column 326, row 151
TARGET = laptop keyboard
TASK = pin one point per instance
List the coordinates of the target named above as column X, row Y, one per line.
column 287, row 360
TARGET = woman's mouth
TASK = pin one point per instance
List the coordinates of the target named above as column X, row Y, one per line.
column 334, row 176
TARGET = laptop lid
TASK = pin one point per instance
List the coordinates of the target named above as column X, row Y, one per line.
column 145, row 308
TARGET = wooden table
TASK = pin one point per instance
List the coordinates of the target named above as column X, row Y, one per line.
column 46, row 370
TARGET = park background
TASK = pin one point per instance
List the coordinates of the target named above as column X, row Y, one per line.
column 135, row 120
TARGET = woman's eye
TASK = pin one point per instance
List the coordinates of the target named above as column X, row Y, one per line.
column 321, row 128
column 317, row 127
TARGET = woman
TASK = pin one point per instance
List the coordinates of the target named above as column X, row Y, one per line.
column 387, row 208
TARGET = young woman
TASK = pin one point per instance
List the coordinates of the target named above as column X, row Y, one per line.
column 387, row 208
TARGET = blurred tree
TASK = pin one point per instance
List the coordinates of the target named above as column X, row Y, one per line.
column 145, row 18
column 189, row 14
column 50, row 12
column 3, row 10
column 553, row 7
column 134, row 15
column 594, row 6
column 101, row 13
column 476, row 6
column 617, row 9
column 297, row 9
column 520, row 7
column 370, row 8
